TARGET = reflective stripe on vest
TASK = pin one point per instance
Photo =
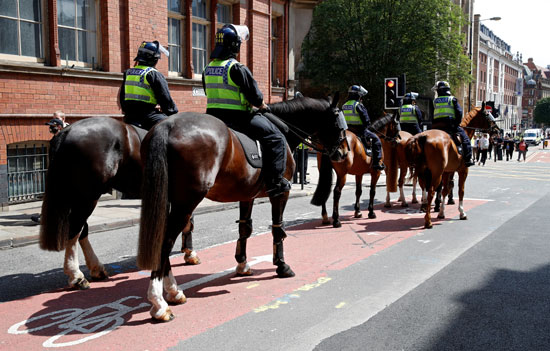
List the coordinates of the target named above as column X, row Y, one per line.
column 408, row 114
column 443, row 107
column 350, row 112
column 221, row 91
column 136, row 86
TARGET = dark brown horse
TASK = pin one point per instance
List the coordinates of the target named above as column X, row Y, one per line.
column 192, row 156
column 356, row 163
column 87, row 159
column 436, row 158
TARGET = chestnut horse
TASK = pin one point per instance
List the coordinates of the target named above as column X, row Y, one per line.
column 356, row 163
column 435, row 157
column 87, row 159
column 192, row 156
column 396, row 163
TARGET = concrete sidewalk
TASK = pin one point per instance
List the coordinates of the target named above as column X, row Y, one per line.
column 17, row 228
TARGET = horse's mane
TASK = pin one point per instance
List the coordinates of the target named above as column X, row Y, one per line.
column 298, row 105
column 470, row 115
column 381, row 122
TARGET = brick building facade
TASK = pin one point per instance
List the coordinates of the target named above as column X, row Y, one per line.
column 536, row 87
column 69, row 55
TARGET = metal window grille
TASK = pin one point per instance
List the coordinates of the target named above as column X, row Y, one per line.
column 27, row 165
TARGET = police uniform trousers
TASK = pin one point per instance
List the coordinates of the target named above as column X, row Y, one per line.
column 260, row 128
column 412, row 128
column 448, row 126
column 144, row 121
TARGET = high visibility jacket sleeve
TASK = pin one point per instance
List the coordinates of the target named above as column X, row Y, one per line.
column 363, row 114
column 242, row 76
column 162, row 93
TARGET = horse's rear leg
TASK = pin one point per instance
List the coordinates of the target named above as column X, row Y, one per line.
column 162, row 279
column 245, row 230
column 444, row 192
column 324, row 214
column 387, row 204
column 461, row 183
column 450, row 200
column 401, row 184
column 372, row 193
column 190, row 256
column 277, row 209
column 340, row 182
column 358, row 192
column 97, row 271
column 414, row 199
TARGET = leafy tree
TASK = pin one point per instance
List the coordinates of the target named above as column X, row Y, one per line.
column 542, row 111
column 364, row 41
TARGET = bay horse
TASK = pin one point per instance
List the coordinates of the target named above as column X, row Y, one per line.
column 435, row 157
column 191, row 156
column 356, row 163
column 87, row 159
column 396, row 163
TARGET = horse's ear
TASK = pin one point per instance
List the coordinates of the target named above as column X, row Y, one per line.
column 334, row 101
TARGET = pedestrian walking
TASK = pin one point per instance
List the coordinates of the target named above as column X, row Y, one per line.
column 483, row 148
column 522, row 149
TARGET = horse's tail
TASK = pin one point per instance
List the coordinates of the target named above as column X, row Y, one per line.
column 154, row 203
column 391, row 170
column 414, row 150
column 324, row 185
column 54, row 216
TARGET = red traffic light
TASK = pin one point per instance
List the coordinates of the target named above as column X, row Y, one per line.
column 390, row 83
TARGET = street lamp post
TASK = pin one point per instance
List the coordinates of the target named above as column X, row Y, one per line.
column 470, row 53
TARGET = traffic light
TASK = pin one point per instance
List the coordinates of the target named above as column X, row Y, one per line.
column 390, row 96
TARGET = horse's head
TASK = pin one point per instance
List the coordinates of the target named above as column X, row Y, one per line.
column 386, row 127
column 332, row 134
column 480, row 119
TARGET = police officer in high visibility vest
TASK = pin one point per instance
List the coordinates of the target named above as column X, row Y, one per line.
column 447, row 117
column 410, row 114
column 144, row 97
column 358, row 121
column 231, row 92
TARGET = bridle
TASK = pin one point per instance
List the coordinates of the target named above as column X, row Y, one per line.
column 384, row 136
column 492, row 124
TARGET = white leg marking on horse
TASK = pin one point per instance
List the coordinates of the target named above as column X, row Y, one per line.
column 387, row 198
column 402, row 195
column 461, row 209
column 243, row 268
column 71, row 265
column 441, row 213
column 92, row 262
column 173, row 294
column 154, row 295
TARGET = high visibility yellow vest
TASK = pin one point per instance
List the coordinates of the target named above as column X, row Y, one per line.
column 221, row 91
column 136, row 86
column 350, row 112
column 443, row 107
column 408, row 114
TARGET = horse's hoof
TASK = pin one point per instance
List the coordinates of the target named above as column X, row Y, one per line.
column 450, row 202
column 414, row 201
column 191, row 260
column 99, row 276
column 440, row 216
column 428, row 226
column 387, row 205
column 404, row 204
column 284, row 271
column 337, row 224
column 167, row 316
column 463, row 217
column 244, row 274
column 372, row 215
column 177, row 299
column 326, row 222
column 81, row 284
column 436, row 208
column 358, row 215
column 243, row 270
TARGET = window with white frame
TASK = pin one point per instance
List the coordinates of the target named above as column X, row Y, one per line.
column 224, row 14
column 77, row 31
column 200, row 26
column 21, row 30
column 176, row 17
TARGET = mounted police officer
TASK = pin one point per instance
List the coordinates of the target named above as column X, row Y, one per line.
column 447, row 117
column 232, row 91
column 410, row 114
column 144, row 88
column 358, row 121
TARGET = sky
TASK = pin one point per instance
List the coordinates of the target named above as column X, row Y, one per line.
column 525, row 26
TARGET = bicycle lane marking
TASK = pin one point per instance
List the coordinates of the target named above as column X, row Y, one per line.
column 114, row 314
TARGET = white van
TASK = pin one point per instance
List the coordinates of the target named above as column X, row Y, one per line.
column 532, row 136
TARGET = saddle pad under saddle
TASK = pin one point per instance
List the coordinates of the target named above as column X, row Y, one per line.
column 251, row 149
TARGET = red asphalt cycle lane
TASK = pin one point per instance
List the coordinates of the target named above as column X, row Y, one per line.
column 540, row 157
column 114, row 315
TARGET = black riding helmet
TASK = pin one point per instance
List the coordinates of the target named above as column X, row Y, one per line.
column 149, row 53
column 228, row 41
column 443, row 88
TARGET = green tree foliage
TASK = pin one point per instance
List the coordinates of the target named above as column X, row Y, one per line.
column 364, row 41
column 542, row 111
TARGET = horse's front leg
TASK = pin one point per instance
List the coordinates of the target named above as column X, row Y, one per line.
column 372, row 192
column 162, row 279
column 461, row 183
column 437, row 205
column 324, row 214
column 450, row 200
column 278, row 205
column 444, row 191
column 427, row 217
column 340, row 182
column 401, row 184
column 414, row 199
column 97, row 270
column 387, row 204
column 190, row 256
column 358, row 192
column 245, row 230
column 71, row 266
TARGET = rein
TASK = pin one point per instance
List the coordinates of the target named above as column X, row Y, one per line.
column 303, row 137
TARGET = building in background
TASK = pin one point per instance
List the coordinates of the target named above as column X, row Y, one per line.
column 69, row 55
column 498, row 76
column 536, row 87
